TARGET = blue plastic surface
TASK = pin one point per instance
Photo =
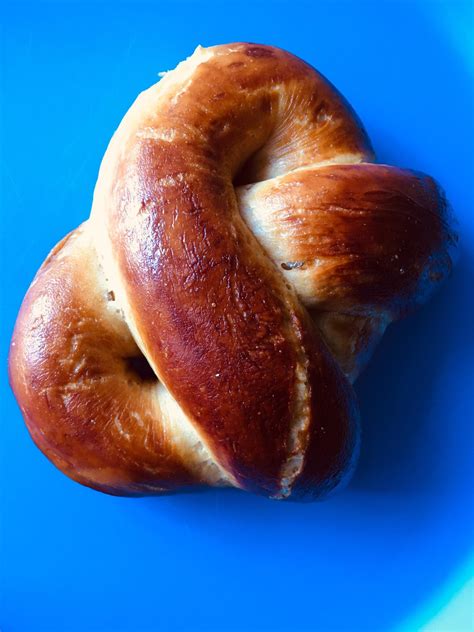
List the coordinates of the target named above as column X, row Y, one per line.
column 395, row 547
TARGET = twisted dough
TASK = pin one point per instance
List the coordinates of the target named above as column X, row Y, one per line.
column 242, row 258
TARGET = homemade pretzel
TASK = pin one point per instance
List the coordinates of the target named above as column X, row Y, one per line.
column 242, row 258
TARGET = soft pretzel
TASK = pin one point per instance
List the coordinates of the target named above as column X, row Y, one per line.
column 243, row 257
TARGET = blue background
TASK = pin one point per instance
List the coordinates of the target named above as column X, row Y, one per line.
column 392, row 549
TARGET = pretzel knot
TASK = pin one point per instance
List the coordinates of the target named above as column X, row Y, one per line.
column 242, row 258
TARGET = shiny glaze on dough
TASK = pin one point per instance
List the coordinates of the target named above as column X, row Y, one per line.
column 242, row 259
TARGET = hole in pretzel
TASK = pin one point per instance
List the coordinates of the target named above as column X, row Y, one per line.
column 246, row 174
column 139, row 368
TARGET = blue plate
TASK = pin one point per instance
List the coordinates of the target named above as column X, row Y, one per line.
column 393, row 551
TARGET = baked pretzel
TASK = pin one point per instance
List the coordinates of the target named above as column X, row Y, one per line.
column 243, row 257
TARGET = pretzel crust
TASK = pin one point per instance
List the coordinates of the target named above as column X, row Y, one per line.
column 167, row 342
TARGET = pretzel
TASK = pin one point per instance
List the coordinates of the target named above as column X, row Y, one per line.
column 243, row 257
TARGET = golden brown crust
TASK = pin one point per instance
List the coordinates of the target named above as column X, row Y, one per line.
column 362, row 244
column 76, row 372
column 211, row 285
column 360, row 238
